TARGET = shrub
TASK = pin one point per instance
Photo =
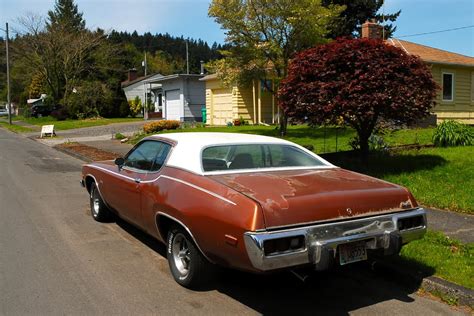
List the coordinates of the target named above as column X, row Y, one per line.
column 240, row 122
column 60, row 113
column 452, row 133
column 135, row 106
column 91, row 99
column 158, row 126
column 120, row 136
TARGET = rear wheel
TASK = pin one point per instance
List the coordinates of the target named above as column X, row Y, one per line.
column 99, row 210
column 188, row 266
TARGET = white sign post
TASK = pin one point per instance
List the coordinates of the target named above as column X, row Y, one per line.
column 47, row 129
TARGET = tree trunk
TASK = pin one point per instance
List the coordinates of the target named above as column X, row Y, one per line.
column 283, row 123
column 364, row 146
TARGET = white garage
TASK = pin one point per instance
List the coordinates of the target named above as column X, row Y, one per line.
column 173, row 105
column 183, row 97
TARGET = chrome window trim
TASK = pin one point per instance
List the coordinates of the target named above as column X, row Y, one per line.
column 141, row 142
column 325, row 163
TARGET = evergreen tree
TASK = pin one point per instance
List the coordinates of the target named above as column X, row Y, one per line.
column 356, row 13
column 67, row 15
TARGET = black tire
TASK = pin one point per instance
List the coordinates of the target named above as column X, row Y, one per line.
column 99, row 210
column 187, row 264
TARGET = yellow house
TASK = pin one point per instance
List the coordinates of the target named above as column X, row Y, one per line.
column 254, row 103
column 454, row 73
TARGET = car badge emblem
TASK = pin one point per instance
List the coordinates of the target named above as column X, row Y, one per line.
column 349, row 211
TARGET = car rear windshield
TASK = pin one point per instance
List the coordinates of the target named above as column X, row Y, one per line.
column 255, row 156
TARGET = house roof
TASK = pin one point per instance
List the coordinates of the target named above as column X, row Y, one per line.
column 127, row 83
column 209, row 77
column 176, row 76
column 432, row 55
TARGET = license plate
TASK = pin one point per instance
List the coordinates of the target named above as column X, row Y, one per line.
column 352, row 252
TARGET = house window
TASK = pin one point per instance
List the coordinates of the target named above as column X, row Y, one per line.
column 448, row 87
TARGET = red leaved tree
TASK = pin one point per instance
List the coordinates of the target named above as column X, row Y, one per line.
column 359, row 81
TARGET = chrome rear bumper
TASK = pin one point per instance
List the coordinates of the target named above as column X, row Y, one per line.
column 322, row 241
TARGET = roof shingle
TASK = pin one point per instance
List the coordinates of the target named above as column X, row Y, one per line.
column 430, row 54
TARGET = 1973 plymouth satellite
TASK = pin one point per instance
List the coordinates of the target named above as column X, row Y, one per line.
column 250, row 202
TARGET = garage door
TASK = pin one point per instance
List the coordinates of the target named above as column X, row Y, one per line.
column 222, row 106
column 173, row 104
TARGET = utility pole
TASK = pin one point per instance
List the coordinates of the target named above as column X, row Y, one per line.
column 187, row 58
column 8, row 81
column 145, row 65
column 145, row 88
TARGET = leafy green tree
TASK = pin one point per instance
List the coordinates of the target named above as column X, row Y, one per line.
column 67, row 15
column 356, row 13
column 36, row 87
column 90, row 99
column 263, row 35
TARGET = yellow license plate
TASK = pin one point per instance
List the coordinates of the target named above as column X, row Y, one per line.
column 352, row 252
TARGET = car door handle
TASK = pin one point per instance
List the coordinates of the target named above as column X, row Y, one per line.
column 137, row 180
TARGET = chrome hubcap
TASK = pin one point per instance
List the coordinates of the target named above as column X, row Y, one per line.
column 181, row 254
column 95, row 203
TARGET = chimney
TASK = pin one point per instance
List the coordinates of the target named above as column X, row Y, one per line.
column 372, row 30
column 132, row 74
column 202, row 67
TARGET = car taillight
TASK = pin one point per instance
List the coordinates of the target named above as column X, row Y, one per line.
column 282, row 245
column 410, row 222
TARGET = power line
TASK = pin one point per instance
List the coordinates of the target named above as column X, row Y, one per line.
column 434, row 32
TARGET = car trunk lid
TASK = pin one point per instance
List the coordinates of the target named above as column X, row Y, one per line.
column 303, row 196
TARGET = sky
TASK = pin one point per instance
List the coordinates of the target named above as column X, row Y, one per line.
column 189, row 18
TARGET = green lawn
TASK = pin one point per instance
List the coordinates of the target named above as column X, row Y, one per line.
column 15, row 128
column 438, row 177
column 442, row 256
column 70, row 124
column 323, row 140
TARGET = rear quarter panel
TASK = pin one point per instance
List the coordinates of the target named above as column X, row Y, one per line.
column 214, row 213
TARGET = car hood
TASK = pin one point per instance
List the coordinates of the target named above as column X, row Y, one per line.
column 305, row 196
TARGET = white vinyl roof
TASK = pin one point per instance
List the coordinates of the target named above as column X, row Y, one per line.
column 188, row 150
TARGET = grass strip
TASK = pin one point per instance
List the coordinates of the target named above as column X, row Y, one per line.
column 437, row 254
column 71, row 124
column 15, row 128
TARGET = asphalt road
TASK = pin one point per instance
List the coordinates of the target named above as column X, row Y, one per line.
column 54, row 259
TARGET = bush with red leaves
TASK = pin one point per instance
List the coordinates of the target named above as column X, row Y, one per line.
column 359, row 81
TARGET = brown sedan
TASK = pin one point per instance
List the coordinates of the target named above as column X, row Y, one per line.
column 250, row 202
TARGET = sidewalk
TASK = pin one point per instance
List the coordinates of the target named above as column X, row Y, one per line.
column 455, row 225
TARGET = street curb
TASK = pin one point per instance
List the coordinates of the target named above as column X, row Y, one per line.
column 460, row 294
column 73, row 154
column 446, row 290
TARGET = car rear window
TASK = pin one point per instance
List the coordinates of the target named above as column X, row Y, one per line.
column 255, row 156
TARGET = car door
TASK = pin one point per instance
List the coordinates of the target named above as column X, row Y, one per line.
column 139, row 162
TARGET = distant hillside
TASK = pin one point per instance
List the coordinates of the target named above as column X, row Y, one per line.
column 173, row 49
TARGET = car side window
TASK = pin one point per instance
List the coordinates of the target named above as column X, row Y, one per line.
column 148, row 156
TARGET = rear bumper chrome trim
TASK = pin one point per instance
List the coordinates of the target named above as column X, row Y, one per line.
column 321, row 241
